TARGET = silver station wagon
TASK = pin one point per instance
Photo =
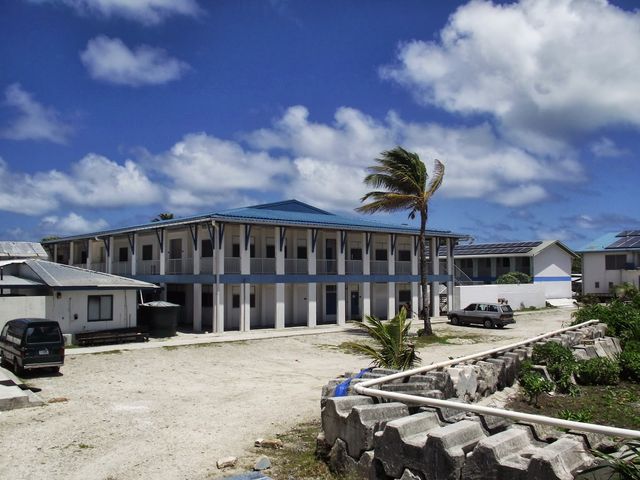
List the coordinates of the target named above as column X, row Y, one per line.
column 490, row 315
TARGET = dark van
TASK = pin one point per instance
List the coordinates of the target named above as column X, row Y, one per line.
column 28, row 343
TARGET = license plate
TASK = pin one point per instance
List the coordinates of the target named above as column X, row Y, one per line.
column 43, row 352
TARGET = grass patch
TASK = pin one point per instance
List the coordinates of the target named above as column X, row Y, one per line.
column 616, row 406
column 421, row 342
column 193, row 345
column 108, row 352
column 297, row 458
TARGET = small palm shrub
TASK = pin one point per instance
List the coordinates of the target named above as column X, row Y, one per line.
column 560, row 363
column 392, row 347
column 583, row 415
column 534, row 384
column 598, row 371
column 626, row 464
column 630, row 365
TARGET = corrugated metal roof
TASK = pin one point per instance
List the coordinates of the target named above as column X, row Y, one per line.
column 599, row 243
column 12, row 281
column 57, row 275
column 286, row 213
column 21, row 250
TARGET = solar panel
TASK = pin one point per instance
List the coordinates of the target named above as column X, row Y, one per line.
column 629, row 233
column 630, row 241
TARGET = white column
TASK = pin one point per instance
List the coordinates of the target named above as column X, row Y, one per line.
column 391, row 286
column 163, row 253
column 342, row 312
column 341, row 254
column 197, row 307
column 218, row 288
column 280, row 300
column 134, row 256
column 312, row 308
column 435, row 286
column 71, row 252
column 245, row 251
column 89, row 248
column 55, row 253
column 110, row 255
column 415, row 285
column 196, row 252
column 366, row 271
column 450, row 283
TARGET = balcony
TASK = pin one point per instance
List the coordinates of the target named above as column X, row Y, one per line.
column 121, row 268
column 176, row 266
column 232, row 265
column 98, row 266
column 148, row 267
column 80, row 265
column 326, row 266
column 353, row 267
column 206, row 265
column 295, row 265
column 263, row 265
column 380, row 267
column 403, row 268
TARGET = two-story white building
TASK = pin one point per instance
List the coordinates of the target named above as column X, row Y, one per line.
column 547, row 262
column 611, row 260
column 268, row 266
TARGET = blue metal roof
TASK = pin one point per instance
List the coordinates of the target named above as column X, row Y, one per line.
column 286, row 213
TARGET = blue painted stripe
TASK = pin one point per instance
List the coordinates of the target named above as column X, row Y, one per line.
column 552, row 279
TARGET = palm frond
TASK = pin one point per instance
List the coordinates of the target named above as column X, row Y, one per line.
column 436, row 178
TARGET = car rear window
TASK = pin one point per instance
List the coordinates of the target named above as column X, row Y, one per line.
column 506, row 308
column 43, row 334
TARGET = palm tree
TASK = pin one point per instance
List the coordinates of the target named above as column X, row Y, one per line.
column 405, row 185
column 162, row 217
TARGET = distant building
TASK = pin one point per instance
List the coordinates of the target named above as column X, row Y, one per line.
column 610, row 260
column 275, row 265
column 547, row 262
column 11, row 250
column 78, row 299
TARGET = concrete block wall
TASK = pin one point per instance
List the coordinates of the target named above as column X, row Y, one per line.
column 378, row 439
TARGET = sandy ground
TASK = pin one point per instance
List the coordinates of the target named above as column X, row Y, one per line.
column 171, row 413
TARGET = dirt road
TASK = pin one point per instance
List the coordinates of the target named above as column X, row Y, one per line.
column 172, row 412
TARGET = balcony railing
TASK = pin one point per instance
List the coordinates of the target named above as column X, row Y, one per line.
column 296, row 265
column 231, row 265
column 326, row 266
column 80, row 265
column 98, row 266
column 206, row 265
column 121, row 268
column 179, row 265
column 353, row 267
column 263, row 265
column 148, row 267
column 403, row 268
column 379, row 267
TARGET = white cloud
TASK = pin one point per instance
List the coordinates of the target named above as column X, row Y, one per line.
column 202, row 169
column 547, row 68
column 110, row 60
column 94, row 181
column 71, row 224
column 605, row 147
column 147, row 12
column 35, row 121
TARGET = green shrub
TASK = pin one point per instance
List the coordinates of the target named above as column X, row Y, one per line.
column 534, row 384
column 513, row 277
column 621, row 316
column 583, row 415
column 560, row 363
column 630, row 365
column 598, row 371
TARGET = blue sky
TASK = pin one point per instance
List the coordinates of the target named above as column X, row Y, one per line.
column 112, row 111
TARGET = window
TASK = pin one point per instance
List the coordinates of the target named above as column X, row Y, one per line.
column 207, row 299
column 404, row 296
column 252, row 249
column 404, row 255
column 235, row 300
column 175, row 248
column 83, row 256
column 100, row 308
column 381, row 255
column 614, row 262
column 271, row 251
column 302, row 251
column 252, row 298
column 597, row 285
column 123, row 254
column 207, row 248
column 356, row 254
column 147, row 252
column 235, row 246
column 610, row 285
column 466, row 263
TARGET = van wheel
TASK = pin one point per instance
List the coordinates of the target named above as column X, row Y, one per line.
column 501, row 326
column 4, row 363
column 488, row 323
column 454, row 320
column 17, row 369
column 55, row 369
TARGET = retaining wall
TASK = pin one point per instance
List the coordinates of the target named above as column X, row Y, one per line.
column 391, row 440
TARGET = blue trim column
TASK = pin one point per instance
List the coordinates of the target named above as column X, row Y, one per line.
column 312, row 303
column 366, row 271
column 391, row 286
column 435, row 285
column 245, row 269
column 341, row 286
column 415, row 286
column 219, row 287
column 197, row 287
column 450, row 283
column 280, row 238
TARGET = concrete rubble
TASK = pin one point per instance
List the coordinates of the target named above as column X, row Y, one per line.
column 378, row 439
column 14, row 393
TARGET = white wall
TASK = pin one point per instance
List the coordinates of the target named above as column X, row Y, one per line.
column 593, row 270
column 21, row 307
column 527, row 295
column 71, row 310
column 553, row 262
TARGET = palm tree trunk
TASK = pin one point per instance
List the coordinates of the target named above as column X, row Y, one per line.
column 424, row 301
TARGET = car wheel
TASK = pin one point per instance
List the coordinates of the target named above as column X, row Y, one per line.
column 454, row 320
column 501, row 325
column 488, row 323
column 55, row 369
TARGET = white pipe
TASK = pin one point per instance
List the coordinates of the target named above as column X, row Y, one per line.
column 363, row 389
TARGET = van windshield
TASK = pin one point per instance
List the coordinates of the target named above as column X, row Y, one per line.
column 43, row 334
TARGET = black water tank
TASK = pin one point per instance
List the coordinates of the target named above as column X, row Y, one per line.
column 161, row 318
